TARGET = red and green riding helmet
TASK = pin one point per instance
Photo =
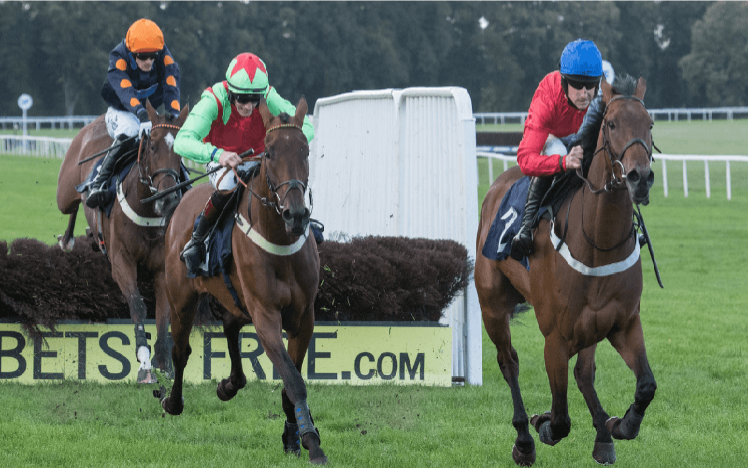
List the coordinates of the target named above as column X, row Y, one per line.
column 247, row 75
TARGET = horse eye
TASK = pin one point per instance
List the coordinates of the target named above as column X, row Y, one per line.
column 611, row 125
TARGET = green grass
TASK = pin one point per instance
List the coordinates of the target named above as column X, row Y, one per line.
column 696, row 331
column 43, row 132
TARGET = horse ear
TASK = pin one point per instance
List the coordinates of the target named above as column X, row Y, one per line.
column 267, row 116
column 641, row 88
column 152, row 114
column 301, row 110
column 183, row 114
column 607, row 90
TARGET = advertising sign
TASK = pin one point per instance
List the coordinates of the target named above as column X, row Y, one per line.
column 358, row 355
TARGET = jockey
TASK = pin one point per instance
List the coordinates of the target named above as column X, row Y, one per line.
column 223, row 124
column 140, row 67
column 558, row 109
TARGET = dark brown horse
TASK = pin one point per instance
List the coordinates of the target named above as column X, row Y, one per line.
column 587, row 291
column 133, row 235
column 275, row 272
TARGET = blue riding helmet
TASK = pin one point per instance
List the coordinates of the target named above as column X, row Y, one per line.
column 581, row 61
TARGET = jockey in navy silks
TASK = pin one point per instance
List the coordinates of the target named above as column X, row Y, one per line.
column 140, row 68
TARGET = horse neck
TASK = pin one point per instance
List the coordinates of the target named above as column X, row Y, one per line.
column 607, row 214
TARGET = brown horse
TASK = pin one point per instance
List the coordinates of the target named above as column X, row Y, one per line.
column 133, row 235
column 588, row 290
column 275, row 272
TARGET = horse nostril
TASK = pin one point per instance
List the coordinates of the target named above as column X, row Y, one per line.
column 633, row 177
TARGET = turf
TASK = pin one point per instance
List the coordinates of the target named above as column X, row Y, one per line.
column 696, row 331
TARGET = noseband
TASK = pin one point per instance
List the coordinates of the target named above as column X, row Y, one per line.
column 147, row 179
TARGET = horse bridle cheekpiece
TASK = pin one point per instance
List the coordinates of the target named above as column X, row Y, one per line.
column 147, row 179
column 614, row 157
column 292, row 183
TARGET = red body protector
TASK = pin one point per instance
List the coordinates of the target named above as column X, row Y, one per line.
column 239, row 133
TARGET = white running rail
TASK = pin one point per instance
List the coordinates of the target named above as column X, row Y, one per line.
column 663, row 158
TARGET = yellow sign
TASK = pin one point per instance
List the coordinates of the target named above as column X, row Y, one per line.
column 358, row 355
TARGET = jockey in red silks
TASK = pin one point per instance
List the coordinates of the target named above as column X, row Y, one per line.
column 225, row 123
column 558, row 109
column 140, row 68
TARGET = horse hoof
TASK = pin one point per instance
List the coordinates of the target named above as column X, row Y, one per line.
column 225, row 390
column 604, row 453
column 66, row 247
column 523, row 459
column 319, row 460
column 167, row 406
column 546, row 435
column 146, row 376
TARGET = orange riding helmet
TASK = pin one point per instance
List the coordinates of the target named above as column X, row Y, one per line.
column 144, row 36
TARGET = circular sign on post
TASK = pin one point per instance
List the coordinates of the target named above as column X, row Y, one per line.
column 25, row 102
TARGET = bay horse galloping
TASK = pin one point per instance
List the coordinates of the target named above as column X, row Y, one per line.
column 132, row 236
column 274, row 272
column 585, row 280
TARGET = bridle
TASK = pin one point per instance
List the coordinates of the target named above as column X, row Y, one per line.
column 616, row 183
column 146, row 177
column 614, row 158
column 276, row 201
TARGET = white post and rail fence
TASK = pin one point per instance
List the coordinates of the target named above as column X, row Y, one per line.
column 508, row 158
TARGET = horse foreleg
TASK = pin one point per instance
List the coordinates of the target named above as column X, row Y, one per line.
column 630, row 345
column 181, row 325
column 497, row 327
column 584, row 373
column 554, row 426
column 164, row 342
column 124, row 273
column 294, row 387
column 66, row 241
column 228, row 388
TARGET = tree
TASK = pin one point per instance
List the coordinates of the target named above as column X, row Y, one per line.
column 672, row 37
column 717, row 66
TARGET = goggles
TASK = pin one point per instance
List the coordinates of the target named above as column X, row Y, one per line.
column 582, row 84
column 146, row 56
column 247, row 98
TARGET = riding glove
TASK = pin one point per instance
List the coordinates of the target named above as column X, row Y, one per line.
column 145, row 123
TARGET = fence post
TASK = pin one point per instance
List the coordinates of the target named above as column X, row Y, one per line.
column 664, row 175
column 706, row 172
column 729, row 185
column 685, row 180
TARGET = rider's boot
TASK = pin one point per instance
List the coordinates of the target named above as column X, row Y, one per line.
column 98, row 195
column 193, row 253
column 522, row 242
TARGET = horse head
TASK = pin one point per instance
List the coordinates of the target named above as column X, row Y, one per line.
column 626, row 134
column 158, row 164
column 286, row 165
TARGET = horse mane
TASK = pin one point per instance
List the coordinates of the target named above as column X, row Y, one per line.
column 284, row 117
